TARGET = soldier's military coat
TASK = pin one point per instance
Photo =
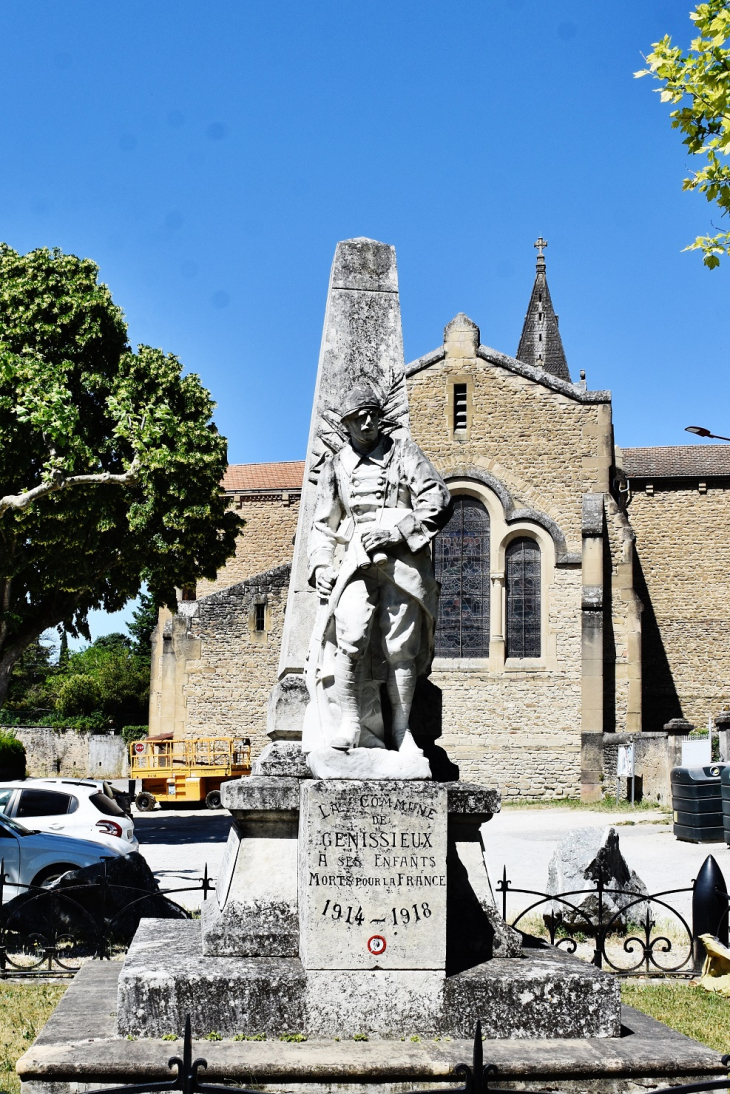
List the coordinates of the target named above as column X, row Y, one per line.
column 393, row 486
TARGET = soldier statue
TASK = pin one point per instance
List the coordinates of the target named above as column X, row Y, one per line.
column 380, row 503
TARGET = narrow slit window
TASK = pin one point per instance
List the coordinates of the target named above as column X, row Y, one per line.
column 459, row 406
column 523, row 598
column 260, row 617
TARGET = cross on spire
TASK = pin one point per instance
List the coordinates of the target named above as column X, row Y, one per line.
column 541, row 244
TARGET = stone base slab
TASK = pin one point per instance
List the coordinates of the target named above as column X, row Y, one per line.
column 368, row 763
column 544, row 994
column 79, row 1046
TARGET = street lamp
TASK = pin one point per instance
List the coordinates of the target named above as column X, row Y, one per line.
column 702, row 432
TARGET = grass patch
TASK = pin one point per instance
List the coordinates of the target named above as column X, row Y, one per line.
column 692, row 1011
column 605, row 805
column 24, row 1010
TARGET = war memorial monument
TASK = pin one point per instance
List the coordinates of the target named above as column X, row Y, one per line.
column 354, row 900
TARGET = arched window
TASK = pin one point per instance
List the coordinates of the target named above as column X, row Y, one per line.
column 461, row 562
column 523, row 598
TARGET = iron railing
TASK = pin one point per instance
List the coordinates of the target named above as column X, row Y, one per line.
column 56, row 929
column 74, row 922
column 566, row 919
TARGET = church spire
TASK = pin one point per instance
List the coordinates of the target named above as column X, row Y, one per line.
column 540, row 342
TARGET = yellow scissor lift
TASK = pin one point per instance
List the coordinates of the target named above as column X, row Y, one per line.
column 186, row 770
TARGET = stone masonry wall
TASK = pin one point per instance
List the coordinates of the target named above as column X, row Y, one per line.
column 543, row 446
column 683, row 579
column 622, row 626
column 64, row 752
column 227, row 687
column 266, row 540
column 520, row 731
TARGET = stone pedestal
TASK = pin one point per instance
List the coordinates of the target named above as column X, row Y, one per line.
column 349, row 907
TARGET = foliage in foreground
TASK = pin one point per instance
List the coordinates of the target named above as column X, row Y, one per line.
column 689, row 1010
column 12, row 755
column 76, row 400
column 24, row 1010
column 697, row 83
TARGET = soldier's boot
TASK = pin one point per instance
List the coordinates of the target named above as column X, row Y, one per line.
column 401, row 686
column 346, row 694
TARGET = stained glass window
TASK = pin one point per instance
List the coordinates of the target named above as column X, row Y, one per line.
column 461, row 562
column 523, row 598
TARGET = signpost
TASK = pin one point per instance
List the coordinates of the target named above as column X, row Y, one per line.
column 625, row 767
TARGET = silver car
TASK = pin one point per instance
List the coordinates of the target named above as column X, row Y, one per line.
column 38, row 858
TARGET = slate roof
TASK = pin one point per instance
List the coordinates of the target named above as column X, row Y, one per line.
column 241, row 477
column 540, row 342
column 681, row 461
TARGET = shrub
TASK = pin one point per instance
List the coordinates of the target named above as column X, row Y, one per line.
column 12, row 756
column 78, row 695
column 134, row 733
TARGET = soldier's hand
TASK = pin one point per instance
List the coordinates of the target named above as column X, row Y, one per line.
column 379, row 538
column 324, row 581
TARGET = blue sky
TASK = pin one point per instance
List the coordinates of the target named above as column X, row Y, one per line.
column 209, row 156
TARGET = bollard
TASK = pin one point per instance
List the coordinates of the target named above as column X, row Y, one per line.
column 709, row 908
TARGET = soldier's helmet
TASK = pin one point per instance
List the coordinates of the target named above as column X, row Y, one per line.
column 358, row 397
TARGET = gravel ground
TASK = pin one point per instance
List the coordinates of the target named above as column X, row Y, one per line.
column 524, row 840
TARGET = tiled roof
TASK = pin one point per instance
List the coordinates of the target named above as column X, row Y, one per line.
column 264, row 476
column 677, row 461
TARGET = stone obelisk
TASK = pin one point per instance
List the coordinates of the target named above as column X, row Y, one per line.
column 361, row 340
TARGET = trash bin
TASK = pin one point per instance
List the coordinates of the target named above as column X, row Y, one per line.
column 697, row 803
column 725, row 786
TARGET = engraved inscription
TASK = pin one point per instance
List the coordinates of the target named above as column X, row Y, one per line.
column 372, row 875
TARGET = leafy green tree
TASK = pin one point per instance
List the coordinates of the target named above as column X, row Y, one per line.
column 28, row 689
column 12, row 756
column 109, row 461
column 144, row 621
column 697, row 83
column 107, row 678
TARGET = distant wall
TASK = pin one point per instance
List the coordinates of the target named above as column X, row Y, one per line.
column 683, row 579
column 52, row 752
column 212, row 670
column 265, row 542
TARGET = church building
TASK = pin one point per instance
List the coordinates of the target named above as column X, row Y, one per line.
column 585, row 588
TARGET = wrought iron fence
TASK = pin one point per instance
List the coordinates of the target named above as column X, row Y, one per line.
column 477, row 1077
column 633, row 922
column 51, row 931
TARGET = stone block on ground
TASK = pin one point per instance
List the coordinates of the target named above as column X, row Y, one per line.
column 118, row 892
column 582, row 857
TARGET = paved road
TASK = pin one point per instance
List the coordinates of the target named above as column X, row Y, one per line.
column 178, row 843
column 524, row 840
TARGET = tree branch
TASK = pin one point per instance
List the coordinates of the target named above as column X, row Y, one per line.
column 58, row 482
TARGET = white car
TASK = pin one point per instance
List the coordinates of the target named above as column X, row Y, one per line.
column 38, row 858
column 81, row 808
